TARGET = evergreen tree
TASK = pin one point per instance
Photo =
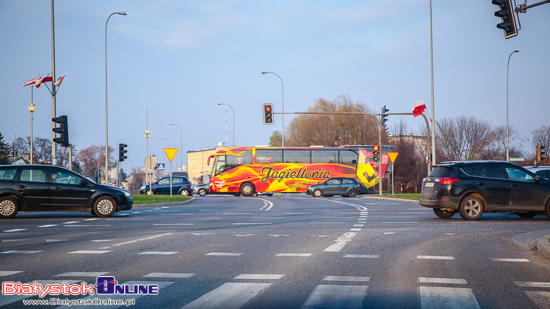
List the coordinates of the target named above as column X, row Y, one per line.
column 4, row 150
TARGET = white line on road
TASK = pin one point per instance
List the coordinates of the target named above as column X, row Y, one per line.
column 442, row 280
column 258, row 277
column 169, row 275
column 14, row 240
column 158, row 252
column 362, row 256
column 267, row 205
column 510, row 260
column 229, row 296
column 21, row 251
column 346, row 278
column 224, row 254
column 533, row 284
column 14, row 230
column 434, row 257
column 337, row 296
column 443, row 297
column 48, row 225
column 7, row 273
column 294, row 254
column 90, row 252
column 56, row 240
column 340, row 242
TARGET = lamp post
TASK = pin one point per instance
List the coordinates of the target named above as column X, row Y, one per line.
column 507, row 132
column 32, row 108
column 71, row 151
column 166, row 140
column 106, row 110
column 283, row 91
column 233, row 119
column 15, row 134
column 181, row 144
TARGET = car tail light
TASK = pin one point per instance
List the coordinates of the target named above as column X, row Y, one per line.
column 358, row 187
column 447, row 181
column 189, row 185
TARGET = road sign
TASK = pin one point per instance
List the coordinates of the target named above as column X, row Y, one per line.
column 150, row 162
column 170, row 153
column 392, row 156
column 517, row 159
column 161, row 166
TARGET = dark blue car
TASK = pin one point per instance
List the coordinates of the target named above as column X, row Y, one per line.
column 180, row 185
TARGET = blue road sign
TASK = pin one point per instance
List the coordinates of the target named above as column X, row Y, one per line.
column 161, row 166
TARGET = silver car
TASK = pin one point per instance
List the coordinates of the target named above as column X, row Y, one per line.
column 201, row 189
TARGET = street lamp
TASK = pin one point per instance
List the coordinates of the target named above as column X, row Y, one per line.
column 166, row 140
column 507, row 132
column 226, row 120
column 71, row 151
column 106, row 110
column 181, row 144
column 283, row 88
column 14, row 137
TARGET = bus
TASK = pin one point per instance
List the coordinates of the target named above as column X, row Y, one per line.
column 252, row 170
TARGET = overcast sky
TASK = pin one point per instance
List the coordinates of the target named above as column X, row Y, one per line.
column 178, row 59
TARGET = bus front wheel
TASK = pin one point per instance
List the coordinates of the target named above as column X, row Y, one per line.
column 247, row 189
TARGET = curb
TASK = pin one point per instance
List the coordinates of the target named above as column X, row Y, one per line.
column 391, row 199
column 543, row 245
column 164, row 204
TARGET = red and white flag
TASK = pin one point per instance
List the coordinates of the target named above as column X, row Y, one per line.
column 32, row 80
column 418, row 108
column 47, row 78
column 59, row 80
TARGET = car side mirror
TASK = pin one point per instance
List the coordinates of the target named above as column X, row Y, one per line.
column 537, row 179
column 82, row 183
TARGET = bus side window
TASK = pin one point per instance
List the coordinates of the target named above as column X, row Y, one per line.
column 348, row 157
column 324, row 156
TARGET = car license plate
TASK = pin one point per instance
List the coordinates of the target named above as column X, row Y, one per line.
column 429, row 185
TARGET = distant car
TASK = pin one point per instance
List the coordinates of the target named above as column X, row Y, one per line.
column 541, row 171
column 472, row 188
column 180, row 185
column 54, row 188
column 201, row 189
column 347, row 187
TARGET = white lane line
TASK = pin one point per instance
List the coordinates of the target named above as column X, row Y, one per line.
column 14, row 240
column 358, row 225
column 168, row 224
column 7, row 273
column 355, row 230
column 83, row 225
column 102, row 240
column 14, row 230
column 532, row 284
column 258, row 277
column 229, row 296
column 510, row 260
column 434, row 257
column 70, row 222
column 8, row 299
column 48, row 225
column 443, row 297
column 396, row 222
column 442, row 280
column 294, row 254
column 56, row 240
column 169, row 275
column 224, row 254
column 89, row 252
column 141, row 239
column 389, row 233
column 158, row 252
column 340, row 242
column 337, row 296
column 82, row 274
column 21, row 251
column 362, row 256
column 346, row 278
column 267, row 205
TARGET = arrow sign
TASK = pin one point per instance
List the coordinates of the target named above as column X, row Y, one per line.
column 392, row 156
column 170, row 153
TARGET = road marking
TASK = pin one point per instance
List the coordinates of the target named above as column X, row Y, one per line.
column 169, row 275
column 337, row 296
column 358, row 225
column 8, row 299
column 90, row 251
column 340, row 242
column 510, row 260
column 294, row 254
column 224, row 254
column 7, row 273
column 443, row 297
column 229, row 296
column 434, row 257
column 48, row 225
column 14, row 230
column 389, row 233
column 442, row 280
column 258, row 277
column 173, row 224
column 14, row 240
column 102, row 240
column 22, row 251
column 236, row 213
column 56, row 240
column 398, row 222
column 141, row 239
column 70, row 222
column 362, row 256
column 355, row 230
column 253, row 223
column 533, row 284
column 91, row 219
column 346, row 278
column 85, row 225
column 267, row 205
column 279, row 235
column 158, row 252
column 82, row 274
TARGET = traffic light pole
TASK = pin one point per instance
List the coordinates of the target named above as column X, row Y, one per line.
column 523, row 7
column 354, row 113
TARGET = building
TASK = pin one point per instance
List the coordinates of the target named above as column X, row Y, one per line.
column 197, row 164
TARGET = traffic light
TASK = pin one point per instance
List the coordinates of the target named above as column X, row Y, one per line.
column 506, row 13
column 541, row 155
column 62, row 130
column 375, row 153
column 121, row 152
column 383, row 115
column 268, row 113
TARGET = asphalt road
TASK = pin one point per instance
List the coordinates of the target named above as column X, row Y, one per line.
column 281, row 252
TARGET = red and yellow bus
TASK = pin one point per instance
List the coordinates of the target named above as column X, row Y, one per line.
column 250, row 170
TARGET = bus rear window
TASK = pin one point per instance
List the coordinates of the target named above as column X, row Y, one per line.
column 269, row 156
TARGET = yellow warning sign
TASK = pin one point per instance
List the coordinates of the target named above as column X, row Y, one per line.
column 392, row 156
column 171, row 153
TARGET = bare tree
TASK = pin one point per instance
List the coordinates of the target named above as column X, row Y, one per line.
column 541, row 136
column 42, row 149
column 463, row 138
column 92, row 161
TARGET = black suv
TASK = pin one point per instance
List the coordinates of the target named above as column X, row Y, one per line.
column 54, row 188
column 475, row 187
column 180, row 185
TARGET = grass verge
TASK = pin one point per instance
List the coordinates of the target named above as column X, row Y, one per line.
column 407, row 196
column 155, row 199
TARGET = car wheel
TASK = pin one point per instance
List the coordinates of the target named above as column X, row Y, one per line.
column 247, row 189
column 104, row 207
column 184, row 192
column 471, row 208
column 202, row 192
column 8, row 207
column 547, row 210
column 317, row 193
column 529, row 214
column 443, row 213
column 352, row 193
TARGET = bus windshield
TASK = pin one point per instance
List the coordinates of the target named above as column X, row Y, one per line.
column 230, row 160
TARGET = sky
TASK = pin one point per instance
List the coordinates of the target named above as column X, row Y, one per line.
column 173, row 61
